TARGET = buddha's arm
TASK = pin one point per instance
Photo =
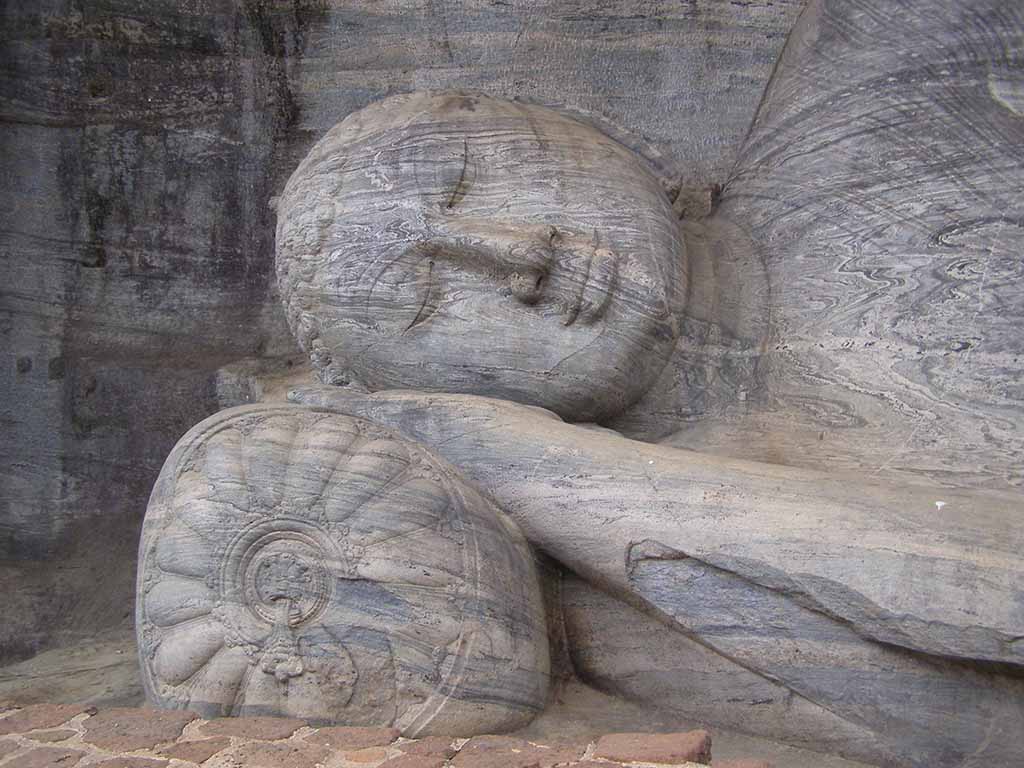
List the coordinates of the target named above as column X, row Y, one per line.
column 810, row 581
column 930, row 571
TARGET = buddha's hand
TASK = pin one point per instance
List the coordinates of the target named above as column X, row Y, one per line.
column 432, row 418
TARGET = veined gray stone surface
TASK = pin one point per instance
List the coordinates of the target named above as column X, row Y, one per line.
column 297, row 562
column 458, row 243
column 894, row 613
column 858, row 300
column 141, row 144
column 626, row 652
column 682, row 80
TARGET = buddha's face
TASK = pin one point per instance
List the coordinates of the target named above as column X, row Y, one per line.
column 467, row 244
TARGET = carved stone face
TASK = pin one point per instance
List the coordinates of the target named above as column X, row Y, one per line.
column 467, row 244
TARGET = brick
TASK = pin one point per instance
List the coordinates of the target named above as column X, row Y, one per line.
column 195, row 751
column 496, row 752
column 512, row 752
column 499, row 759
column 39, row 716
column 416, row 761
column 8, row 747
column 50, row 757
column 278, row 754
column 353, row 737
column 479, row 744
column 263, row 728
column 430, row 745
column 125, row 730
column 131, row 762
column 747, row 763
column 367, row 755
column 560, row 755
column 671, row 748
column 48, row 737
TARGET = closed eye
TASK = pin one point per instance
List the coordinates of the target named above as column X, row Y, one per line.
column 429, row 304
column 464, row 181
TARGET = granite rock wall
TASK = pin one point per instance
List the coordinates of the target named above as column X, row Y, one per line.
column 140, row 146
column 135, row 148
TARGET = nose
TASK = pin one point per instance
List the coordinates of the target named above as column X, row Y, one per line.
column 526, row 285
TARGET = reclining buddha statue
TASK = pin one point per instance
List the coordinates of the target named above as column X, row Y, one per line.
column 785, row 494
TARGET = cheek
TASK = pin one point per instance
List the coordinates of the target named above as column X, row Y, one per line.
column 384, row 294
column 649, row 283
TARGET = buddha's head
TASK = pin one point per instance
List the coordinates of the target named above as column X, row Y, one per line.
column 446, row 242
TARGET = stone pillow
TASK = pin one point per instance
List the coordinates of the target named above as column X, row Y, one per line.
column 299, row 562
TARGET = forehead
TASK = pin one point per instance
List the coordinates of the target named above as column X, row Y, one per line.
column 498, row 158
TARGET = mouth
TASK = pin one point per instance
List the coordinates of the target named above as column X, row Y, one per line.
column 591, row 300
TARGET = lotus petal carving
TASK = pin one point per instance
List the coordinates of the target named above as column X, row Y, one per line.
column 305, row 563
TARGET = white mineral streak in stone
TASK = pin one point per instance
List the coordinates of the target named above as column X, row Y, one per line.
column 295, row 562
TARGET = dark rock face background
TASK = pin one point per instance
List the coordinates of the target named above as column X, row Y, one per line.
column 140, row 145
column 879, row 190
column 135, row 242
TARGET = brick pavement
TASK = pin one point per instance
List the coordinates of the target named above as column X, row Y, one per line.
column 69, row 736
